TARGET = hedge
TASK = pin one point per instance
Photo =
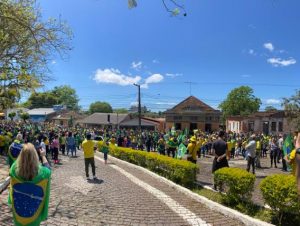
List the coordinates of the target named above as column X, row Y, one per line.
column 237, row 183
column 280, row 193
column 179, row 171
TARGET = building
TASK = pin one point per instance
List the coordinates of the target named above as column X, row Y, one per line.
column 267, row 122
column 18, row 112
column 103, row 120
column 41, row 114
column 126, row 121
column 67, row 118
column 192, row 114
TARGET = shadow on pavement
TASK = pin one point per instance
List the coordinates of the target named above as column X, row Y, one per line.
column 96, row 181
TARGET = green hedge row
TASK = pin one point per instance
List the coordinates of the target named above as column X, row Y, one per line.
column 179, row 171
column 280, row 193
column 237, row 183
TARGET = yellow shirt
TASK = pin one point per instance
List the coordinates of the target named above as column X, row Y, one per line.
column 2, row 141
column 88, row 148
column 293, row 162
column 192, row 150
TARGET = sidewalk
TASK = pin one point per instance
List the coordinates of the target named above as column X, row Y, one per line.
column 205, row 176
column 122, row 196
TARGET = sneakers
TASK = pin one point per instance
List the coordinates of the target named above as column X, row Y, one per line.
column 87, row 178
column 94, row 177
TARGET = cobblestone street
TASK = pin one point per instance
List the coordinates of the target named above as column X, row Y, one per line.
column 122, row 195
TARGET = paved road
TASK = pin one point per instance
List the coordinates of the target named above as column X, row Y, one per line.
column 122, row 196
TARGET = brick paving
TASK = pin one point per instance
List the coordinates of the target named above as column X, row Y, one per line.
column 3, row 168
column 113, row 199
column 205, row 176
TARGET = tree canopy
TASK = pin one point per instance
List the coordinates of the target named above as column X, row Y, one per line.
column 62, row 95
column 66, row 96
column 292, row 108
column 28, row 43
column 240, row 101
column 101, row 107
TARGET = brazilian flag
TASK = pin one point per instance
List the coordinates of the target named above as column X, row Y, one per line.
column 181, row 151
column 29, row 199
column 288, row 146
column 14, row 151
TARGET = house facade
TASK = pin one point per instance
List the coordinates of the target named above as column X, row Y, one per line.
column 272, row 122
column 193, row 114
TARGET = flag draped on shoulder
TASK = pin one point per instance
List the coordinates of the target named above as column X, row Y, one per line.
column 30, row 199
column 288, row 145
column 181, row 151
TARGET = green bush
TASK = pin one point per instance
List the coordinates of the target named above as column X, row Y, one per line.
column 237, row 183
column 280, row 193
column 179, row 171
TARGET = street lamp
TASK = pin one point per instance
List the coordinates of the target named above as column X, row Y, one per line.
column 139, row 106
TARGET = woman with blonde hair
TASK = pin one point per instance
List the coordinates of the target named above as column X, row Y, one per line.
column 30, row 187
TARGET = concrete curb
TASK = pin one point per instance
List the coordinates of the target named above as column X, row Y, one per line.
column 4, row 184
column 247, row 220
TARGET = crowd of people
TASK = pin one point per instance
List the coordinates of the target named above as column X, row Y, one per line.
column 26, row 145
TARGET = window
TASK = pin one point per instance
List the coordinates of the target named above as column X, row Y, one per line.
column 177, row 117
column 280, row 127
column 273, row 126
column 251, row 126
column 177, row 126
column 193, row 118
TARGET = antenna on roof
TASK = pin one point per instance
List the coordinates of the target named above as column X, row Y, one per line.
column 190, row 84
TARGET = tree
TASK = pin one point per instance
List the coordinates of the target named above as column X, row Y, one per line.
column 11, row 115
column 66, row 96
column 240, row 101
column 270, row 108
column 292, row 108
column 42, row 100
column 28, row 43
column 102, row 107
column 121, row 111
column 24, row 116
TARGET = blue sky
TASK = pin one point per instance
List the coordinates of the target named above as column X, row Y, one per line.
column 220, row 45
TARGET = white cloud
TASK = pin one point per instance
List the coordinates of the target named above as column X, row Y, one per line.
column 246, row 76
column 273, row 101
column 165, row 103
column 155, row 78
column 135, row 103
column 114, row 76
column 136, row 65
column 171, row 75
column 53, row 62
column 269, row 46
column 276, row 62
column 251, row 52
column 155, row 61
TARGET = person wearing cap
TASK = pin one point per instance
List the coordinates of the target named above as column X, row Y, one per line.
column 192, row 150
column 251, row 153
column 88, row 150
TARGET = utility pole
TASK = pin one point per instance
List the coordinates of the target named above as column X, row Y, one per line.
column 139, row 106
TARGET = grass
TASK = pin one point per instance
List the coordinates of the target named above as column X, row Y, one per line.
column 248, row 209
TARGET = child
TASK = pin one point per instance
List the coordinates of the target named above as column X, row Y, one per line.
column 104, row 148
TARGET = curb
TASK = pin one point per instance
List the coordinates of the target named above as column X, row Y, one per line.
column 4, row 184
column 247, row 220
